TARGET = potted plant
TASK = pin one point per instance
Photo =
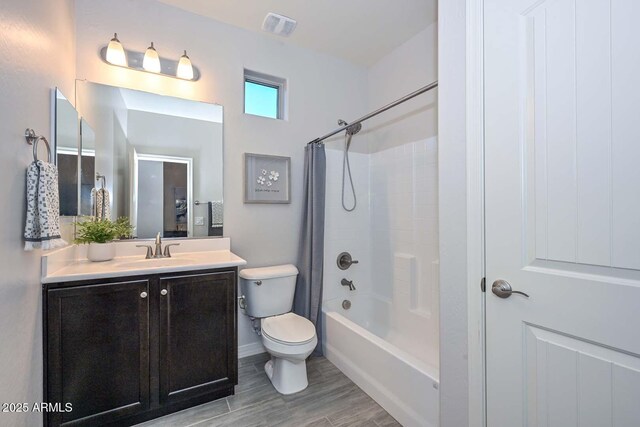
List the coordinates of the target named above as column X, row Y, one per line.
column 100, row 236
column 124, row 229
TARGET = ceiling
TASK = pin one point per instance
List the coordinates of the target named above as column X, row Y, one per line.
column 170, row 106
column 361, row 31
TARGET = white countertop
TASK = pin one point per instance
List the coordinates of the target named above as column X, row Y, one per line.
column 70, row 264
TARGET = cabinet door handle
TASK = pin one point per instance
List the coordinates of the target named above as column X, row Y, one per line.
column 163, row 292
column 143, row 295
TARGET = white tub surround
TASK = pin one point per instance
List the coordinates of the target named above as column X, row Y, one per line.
column 399, row 373
column 71, row 263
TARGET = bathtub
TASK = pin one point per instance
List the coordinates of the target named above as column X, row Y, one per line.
column 397, row 371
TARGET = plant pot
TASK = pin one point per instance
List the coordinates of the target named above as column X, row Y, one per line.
column 99, row 252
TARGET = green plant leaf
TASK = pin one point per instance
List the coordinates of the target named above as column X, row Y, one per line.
column 93, row 230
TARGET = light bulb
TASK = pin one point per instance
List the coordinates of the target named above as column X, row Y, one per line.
column 185, row 69
column 115, row 52
column 151, row 61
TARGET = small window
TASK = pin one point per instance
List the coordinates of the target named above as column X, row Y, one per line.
column 263, row 95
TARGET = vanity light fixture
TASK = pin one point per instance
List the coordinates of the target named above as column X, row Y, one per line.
column 151, row 61
column 185, row 69
column 115, row 52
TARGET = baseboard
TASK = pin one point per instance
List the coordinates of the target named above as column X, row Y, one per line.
column 250, row 349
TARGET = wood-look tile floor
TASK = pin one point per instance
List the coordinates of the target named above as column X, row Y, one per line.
column 331, row 400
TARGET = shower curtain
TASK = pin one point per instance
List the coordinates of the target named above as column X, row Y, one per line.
column 308, row 297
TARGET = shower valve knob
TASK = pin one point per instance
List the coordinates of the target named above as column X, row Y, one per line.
column 345, row 260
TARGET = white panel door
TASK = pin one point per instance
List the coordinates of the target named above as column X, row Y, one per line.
column 562, row 161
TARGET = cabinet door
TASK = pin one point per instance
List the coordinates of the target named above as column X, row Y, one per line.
column 97, row 351
column 198, row 352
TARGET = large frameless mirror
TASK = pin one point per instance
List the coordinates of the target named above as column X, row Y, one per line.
column 155, row 159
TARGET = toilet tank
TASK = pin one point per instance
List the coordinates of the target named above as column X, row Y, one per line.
column 268, row 291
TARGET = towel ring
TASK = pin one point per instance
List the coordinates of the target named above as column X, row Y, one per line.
column 102, row 178
column 33, row 139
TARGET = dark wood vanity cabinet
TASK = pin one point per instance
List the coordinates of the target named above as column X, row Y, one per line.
column 125, row 350
column 97, row 351
column 197, row 317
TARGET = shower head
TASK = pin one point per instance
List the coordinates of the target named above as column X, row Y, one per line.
column 351, row 130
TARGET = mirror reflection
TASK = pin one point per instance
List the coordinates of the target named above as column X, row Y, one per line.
column 67, row 142
column 87, row 167
column 154, row 159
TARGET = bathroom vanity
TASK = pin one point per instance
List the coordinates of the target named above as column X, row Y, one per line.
column 133, row 339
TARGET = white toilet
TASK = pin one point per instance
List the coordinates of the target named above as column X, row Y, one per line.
column 268, row 296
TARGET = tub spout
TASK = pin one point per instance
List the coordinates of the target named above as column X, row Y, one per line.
column 349, row 283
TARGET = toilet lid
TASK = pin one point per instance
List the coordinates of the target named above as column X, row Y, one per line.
column 288, row 328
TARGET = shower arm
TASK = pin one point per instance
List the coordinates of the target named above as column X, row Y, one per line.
column 405, row 98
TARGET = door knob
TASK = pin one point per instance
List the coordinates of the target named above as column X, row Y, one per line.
column 143, row 295
column 503, row 289
column 163, row 292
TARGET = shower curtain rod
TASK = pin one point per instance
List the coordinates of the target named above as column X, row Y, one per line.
column 420, row 91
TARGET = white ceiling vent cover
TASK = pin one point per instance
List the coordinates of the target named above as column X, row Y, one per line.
column 279, row 24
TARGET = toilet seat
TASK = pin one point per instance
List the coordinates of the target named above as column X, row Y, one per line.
column 288, row 329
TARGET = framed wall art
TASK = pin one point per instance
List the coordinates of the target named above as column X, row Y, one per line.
column 267, row 179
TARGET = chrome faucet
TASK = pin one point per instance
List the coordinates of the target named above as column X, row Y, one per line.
column 158, row 253
column 349, row 283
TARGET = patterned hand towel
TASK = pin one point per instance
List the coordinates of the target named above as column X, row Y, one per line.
column 214, row 210
column 101, row 203
column 215, row 213
column 42, row 228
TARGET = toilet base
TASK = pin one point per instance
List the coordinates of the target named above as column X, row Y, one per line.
column 287, row 376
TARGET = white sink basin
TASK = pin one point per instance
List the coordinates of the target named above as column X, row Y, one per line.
column 154, row 263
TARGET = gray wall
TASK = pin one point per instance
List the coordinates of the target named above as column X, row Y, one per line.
column 37, row 53
column 410, row 66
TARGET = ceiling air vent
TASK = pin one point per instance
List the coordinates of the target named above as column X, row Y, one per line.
column 278, row 24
